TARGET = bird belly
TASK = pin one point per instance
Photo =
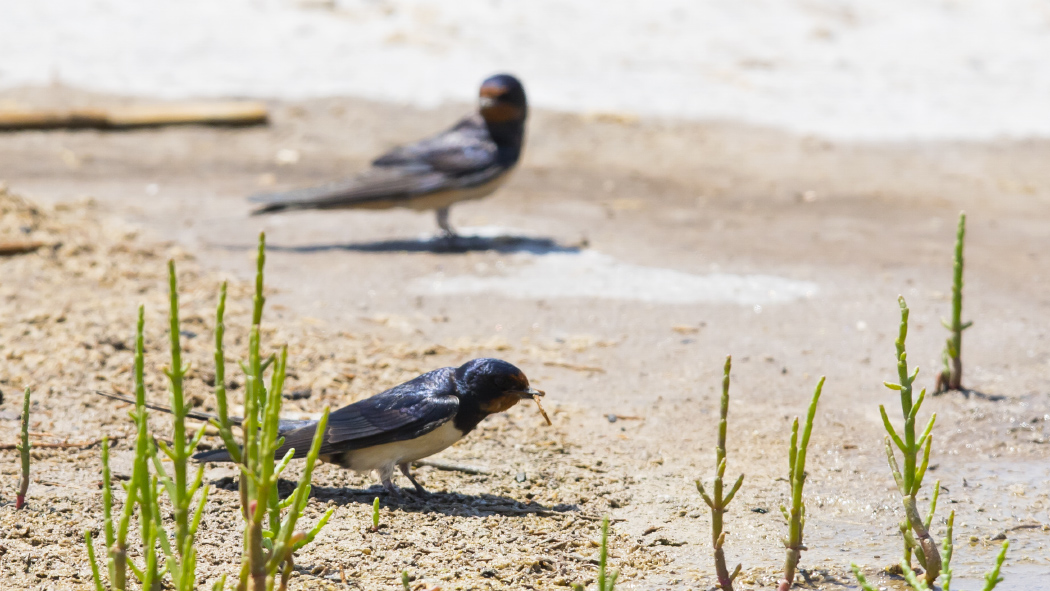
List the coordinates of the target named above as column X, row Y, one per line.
column 399, row 452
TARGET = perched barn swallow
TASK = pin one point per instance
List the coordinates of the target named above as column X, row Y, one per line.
column 406, row 423
column 468, row 161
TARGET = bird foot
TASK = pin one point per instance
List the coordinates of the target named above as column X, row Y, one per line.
column 422, row 492
column 391, row 489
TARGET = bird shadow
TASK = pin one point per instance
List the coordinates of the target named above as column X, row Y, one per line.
column 445, row 503
column 968, row 393
column 508, row 244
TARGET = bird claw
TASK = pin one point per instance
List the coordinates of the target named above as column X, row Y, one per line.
column 392, row 490
column 420, row 491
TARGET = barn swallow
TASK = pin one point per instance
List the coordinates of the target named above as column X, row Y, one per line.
column 406, row 423
column 468, row 161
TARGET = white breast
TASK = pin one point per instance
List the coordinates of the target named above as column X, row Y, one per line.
column 390, row 454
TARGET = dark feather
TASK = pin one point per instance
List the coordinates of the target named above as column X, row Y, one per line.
column 462, row 157
column 464, row 149
column 215, row 455
column 403, row 412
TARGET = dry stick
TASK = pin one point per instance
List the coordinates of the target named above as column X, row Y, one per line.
column 909, row 480
column 718, row 504
column 950, row 377
column 58, row 445
column 797, row 517
column 13, row 248
column 23, row 448
column 453, row 467
column 208, row 113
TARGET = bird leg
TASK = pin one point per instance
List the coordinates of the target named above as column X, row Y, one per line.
column 419, row 487
column 385, row 474
column 391, row 488
column 442, row 220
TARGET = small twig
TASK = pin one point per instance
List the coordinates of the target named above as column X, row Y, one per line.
column 59, row 445
column 453, row 467
column 574, row 367
column 13, row 248
column 596, row 518
column 1027, row 526
column 227, row 113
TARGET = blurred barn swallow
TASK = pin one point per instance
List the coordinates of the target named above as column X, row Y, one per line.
column 468, row 161
column 406, row 423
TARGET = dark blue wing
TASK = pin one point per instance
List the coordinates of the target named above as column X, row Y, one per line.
column 402, row 412
column 465, row 149
column 463, row 156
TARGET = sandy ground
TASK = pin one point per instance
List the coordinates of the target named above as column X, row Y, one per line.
column 355, row 295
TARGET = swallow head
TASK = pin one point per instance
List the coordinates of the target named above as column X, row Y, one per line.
column 502, row 99
column 493, row 385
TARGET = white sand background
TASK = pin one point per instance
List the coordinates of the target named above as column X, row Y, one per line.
column 867, row 70
column 862, row 69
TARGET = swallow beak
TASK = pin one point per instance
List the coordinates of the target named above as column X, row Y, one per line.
column 530, row 393
column 489, row 94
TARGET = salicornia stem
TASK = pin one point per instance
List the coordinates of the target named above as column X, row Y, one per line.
column 605, row 582
column 992, row 578
column 864, row 584
column 718, row 502
column 796, row 518
column 917, row 538
column 23, row 450
column 947, row 549
column 270, row 537
column 181, row 561
column 950, row 377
